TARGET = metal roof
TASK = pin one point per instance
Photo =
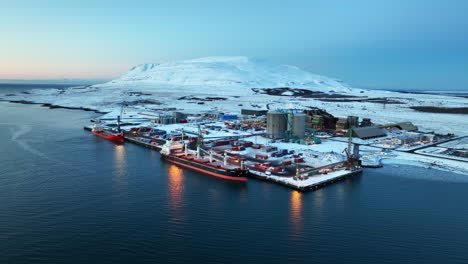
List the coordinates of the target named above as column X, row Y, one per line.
column 368, row 132
column 408, row 126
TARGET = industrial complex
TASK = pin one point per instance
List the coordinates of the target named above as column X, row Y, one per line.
column 299, row 148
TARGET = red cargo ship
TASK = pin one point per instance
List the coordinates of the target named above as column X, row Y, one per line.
column 109, row 135
column 100, row 131
column 175, row 152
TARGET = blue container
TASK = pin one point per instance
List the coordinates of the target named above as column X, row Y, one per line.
column 228, row 117
column 159, row 132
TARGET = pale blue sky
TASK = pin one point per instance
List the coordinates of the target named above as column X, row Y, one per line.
column 397, row 44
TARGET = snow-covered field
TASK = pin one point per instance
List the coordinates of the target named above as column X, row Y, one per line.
column 461, row 144
column 229, row 84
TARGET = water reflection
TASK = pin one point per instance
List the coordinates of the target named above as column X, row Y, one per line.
column 175, row 186
column 296, row 211
column 120, row 165
column 341, row 191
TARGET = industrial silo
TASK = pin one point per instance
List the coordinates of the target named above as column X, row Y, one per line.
column 298, row 125
column 353, row 121
column 276, row 124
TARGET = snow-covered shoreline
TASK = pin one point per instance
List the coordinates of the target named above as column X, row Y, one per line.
column 225, row 84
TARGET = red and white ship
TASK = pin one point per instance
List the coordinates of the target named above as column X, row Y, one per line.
column 211, row 163
column 110, row 134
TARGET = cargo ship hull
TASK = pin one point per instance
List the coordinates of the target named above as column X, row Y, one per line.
column 117, row 138
column 228, row 174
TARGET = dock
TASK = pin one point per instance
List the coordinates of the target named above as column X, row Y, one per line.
column 142, row 143
column 313, row 182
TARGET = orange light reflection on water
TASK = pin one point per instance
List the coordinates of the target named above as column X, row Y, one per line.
column 296, row 210
column 175, row 184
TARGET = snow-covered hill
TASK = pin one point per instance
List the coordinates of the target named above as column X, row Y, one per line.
column 229, row 84
column 227, row 72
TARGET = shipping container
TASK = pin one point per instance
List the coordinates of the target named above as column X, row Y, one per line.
column 260, row 156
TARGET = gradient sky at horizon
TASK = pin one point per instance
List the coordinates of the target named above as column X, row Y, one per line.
column 367, row 43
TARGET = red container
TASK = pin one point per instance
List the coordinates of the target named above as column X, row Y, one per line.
column 275, row 169
column 299, row 160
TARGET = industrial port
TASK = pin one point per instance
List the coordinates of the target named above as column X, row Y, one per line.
column 302, row 149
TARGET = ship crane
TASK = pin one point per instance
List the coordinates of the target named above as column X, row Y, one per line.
column 349, row 159
column 119, row 117
column 210, row 153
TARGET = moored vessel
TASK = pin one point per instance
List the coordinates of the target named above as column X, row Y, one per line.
column 211, row 163
column 110, row 134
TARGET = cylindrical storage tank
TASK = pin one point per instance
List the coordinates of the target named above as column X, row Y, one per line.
column 290, row 122
column 276, row 124
column 353, row 121
column 298, row 123
column 179, row 115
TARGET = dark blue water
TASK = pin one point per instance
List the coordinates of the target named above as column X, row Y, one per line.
column 69, row 197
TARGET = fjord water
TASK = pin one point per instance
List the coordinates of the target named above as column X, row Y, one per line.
column 67, row 196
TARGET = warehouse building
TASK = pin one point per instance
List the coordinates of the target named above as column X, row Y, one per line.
column 368, row 132
column 253, row 112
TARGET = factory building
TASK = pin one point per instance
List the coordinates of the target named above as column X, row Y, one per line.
column 366, row 122
column 211, row 114
column 347, row 123
column 409, row 138
column 319, row 119
column 341, row 124
column 165, row 120
column 403, row 140
column 277, row 124
column 368, row 132
column 315, row 121
column 253, row 112
column 179, row 116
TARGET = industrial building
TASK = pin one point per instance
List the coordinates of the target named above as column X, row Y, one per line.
column 368, row 132
column 179, row 116
column 319, row 119
column 165, row 120
column 347, row 123
column 253, row 112
column 366, row 122
column 409, row 138
column 341, row 123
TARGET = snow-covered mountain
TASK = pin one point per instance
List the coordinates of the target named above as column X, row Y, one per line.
column 229, row 84
column 227, row 72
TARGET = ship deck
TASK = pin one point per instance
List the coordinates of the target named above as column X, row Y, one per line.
column 215, row 163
